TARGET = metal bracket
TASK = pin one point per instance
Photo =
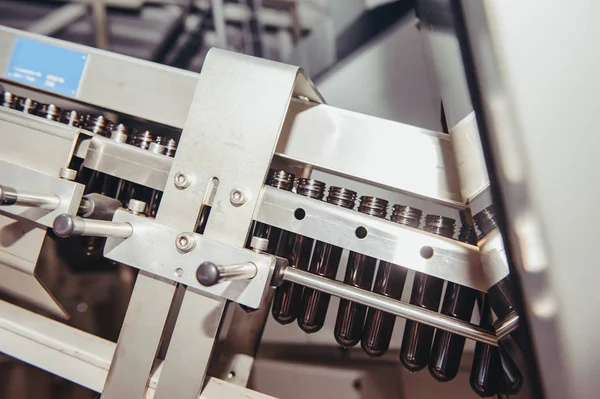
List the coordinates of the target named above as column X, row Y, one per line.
column 449, row 259
column 128, row 162
column 152, row 247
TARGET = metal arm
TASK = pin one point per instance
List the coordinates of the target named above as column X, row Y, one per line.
column 68, row 225
column 10, row 196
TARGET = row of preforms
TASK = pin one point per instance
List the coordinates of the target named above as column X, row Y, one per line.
column 493, row 371
column 94, row 123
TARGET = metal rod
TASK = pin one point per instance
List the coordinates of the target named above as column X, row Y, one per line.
column 242, row 271
column 209, row 274
column 506, row 325
column 219, row 22
column 10, row 196
column 100, row 23
column 392, row 306
column 58, row 19
column 69, row 225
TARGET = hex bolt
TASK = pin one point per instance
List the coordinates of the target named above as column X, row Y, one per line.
column 237, row 197
column 185, row 242
column 182, row 180
column 136, row 207
column 67, row 174
column 259, row 244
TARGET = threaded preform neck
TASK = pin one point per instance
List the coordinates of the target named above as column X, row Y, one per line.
column 143, row 139
column 70, row 117
column 50, row 111
column 28, row 105
column 9, row 100
column 373, row 206
column 342, row 197
column 406, row 215
column 280, row 179
column 467, row 234
column 486, row 221
column 169, row 144
column 440, row 225
column 311, row 188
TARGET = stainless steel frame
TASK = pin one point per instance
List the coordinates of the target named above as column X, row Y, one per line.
column 237, row 115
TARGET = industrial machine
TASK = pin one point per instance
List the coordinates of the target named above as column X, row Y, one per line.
column 203, row 189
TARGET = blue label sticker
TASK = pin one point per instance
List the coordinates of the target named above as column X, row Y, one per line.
column 46, row 66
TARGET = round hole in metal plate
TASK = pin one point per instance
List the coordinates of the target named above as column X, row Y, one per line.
column 426, row 252
column 361, row 232
column 299, row 214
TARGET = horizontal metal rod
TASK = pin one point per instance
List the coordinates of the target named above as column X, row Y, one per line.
column 10, row 196
column 69, row 225
column 388, row 305
column 506, row 325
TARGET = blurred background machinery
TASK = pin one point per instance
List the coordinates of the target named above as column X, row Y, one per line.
column 210, row 226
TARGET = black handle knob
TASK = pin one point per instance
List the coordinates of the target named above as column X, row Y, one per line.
column 8, row 195
column 208, row 274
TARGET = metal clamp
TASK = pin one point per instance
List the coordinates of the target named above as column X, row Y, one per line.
column 69, row 225
column 10, row 196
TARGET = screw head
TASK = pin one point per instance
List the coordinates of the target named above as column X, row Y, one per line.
column 237, row 197
column 179, row 272
column 185, row 242
column 182, row 180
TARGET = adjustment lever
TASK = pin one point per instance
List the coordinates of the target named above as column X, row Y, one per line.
column 68, row 225
column 10, row 196
column 209, row 274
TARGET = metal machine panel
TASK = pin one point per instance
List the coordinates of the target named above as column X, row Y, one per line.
column 407, row 158
column 124, row 84
column 20, row 244
column 450, row 259
column 34, row 142
column 128, row 162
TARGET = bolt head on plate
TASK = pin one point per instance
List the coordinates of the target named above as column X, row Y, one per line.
column 182, row 180
column 185, row 242
column 237, row 197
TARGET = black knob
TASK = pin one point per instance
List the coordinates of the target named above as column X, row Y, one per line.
column 208, row 274
column 8, row 195
column 63, row 226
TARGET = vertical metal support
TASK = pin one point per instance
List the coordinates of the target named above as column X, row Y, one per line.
column 191, row 346
column 236, row 115
column 100, row 22
column 241, row 344
column 234, row 121
column 219, row 21
column 140, row 338
column 58, row 19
